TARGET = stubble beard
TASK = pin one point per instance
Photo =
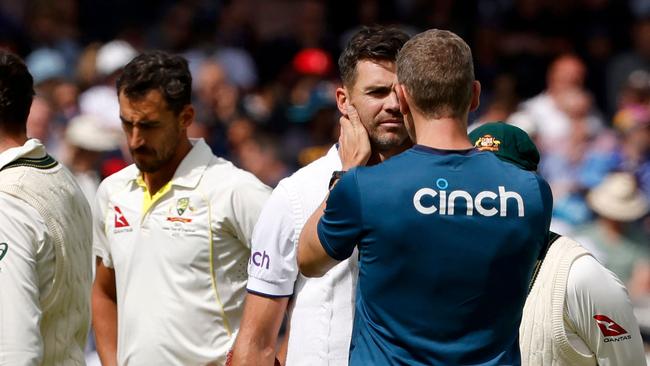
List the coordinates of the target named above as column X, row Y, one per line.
column 157, row 162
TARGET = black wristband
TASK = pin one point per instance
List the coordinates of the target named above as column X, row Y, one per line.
column 336, row 175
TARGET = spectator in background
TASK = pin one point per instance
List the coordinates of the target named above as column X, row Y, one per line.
column 100, row 100
column 623, row 65
column 40, row 126
column 633, row 154
column 217, row 104
column 53, row 82
column 562, row 165
column 86, row 140
column 615, row 238
column 261, row 156
column 552, row 123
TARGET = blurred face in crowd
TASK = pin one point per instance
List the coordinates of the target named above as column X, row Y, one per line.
column 152, row 130
column 373, row 95
column 38, row 121
column 566, row 72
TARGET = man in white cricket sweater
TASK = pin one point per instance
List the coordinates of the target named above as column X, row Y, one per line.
column 45, row 240
column 577, row 313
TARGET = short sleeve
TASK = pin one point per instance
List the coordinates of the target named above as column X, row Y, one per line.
column 339, row 229
column 599, row 311
column 101, row 247
column 272, row 268
column 248, row 198
column 22, row 233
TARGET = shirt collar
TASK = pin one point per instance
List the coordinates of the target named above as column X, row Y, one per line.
column 189, row 172
column 32, row 148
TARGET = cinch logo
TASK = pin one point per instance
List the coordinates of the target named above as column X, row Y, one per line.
column 259, row 259
column 446, row 201
column 609, row 328
column 120, row 220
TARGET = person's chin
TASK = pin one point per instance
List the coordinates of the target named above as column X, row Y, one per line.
column 145, row 166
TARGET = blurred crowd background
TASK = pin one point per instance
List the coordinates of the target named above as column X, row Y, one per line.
column 575, row 74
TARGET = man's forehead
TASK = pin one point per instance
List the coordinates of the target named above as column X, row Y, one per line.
column 148, row 106
column 375, row 72
column 151, row 99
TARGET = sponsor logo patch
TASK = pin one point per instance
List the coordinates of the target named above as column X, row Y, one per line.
column 120, row 220
column 428, row 201
column 610, row 329
column 121, row 224
column 260, row 259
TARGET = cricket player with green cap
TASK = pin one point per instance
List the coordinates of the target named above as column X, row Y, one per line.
column 577, row 312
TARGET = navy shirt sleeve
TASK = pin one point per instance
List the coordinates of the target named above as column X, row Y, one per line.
column 340, row 227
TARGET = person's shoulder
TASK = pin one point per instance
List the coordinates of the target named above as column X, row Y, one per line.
column 221, row 174
column 390, row 165
column 119, row 179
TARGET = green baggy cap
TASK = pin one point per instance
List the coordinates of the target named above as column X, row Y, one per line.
column 509, row 143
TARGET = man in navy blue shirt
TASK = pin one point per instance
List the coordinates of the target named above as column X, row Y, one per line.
column 448, row 236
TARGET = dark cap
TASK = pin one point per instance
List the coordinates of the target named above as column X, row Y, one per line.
column 509, row 143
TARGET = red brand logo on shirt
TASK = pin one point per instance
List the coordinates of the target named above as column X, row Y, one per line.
column 608, row 327
column 120, row 220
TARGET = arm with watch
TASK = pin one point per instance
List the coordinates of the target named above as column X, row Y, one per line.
column 354, row 150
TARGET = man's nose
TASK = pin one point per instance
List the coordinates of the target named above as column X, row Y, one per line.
column 136, row 139
column 392, row 102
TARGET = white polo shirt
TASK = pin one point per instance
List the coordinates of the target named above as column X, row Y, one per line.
column 323, row 308
column 180, row 266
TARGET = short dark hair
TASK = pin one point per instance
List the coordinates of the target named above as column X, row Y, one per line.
column 16, row 92
column 158, row 70
column 374, row 43
column 436, row 68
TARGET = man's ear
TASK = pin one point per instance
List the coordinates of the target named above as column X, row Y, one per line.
column 401, row 97
column 476, row 96
column 342, row 100
column 186, row 117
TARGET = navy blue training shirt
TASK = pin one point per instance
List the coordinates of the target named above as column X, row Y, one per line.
column 447, row 242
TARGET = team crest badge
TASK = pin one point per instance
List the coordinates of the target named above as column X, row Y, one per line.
column 487, row 143
column 181, row 205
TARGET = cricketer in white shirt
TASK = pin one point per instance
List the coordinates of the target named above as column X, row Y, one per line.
column 45, row 260
column 179, row 262
column 323, row 308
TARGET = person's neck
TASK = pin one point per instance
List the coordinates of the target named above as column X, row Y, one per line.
column 11, row 140
column 377, row 157
column 447, row 133
column 156, row 180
